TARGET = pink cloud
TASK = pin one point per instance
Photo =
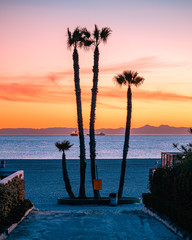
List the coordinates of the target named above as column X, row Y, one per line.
column 144, row 64
column 52, row 93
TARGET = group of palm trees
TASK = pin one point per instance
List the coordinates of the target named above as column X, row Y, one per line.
column 81, row 37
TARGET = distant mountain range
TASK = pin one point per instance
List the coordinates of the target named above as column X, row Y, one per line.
column 162, row 129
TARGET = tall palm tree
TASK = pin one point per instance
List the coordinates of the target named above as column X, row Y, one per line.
column 128, row 78
column 64, row 146
column 98, row 37
column 76, row 39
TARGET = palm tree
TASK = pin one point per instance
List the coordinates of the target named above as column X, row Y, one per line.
column 128, row 78
column 64, row 146
column 76, row 39
column 98, row 37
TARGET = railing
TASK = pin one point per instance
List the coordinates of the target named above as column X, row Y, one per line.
column 168, row 159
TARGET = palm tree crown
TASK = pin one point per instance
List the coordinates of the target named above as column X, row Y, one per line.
column 101, row 35
column 129, row 78
column 63, row 146
column 79, row 38
column 74, row 38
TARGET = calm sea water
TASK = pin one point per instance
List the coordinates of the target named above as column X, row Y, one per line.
column 107, row 147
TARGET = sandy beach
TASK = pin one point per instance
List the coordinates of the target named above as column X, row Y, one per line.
column 44, row 182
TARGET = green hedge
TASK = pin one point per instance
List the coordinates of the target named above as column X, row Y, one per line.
column 179, row 214
column 171, row 190
column 12, row 202
column 173, row 183
column 171, row 193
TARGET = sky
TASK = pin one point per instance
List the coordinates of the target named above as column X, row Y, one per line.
column 151, row 37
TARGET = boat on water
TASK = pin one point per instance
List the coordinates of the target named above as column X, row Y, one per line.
column 99, row 134
column 74, row 133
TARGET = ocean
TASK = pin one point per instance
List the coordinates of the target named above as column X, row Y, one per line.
column 107, row 147
column 41, row 162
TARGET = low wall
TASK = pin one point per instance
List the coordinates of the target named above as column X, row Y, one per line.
column 9, row 175
column 12, row 191
column 13, row 205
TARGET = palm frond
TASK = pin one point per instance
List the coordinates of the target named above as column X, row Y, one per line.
column 105, row 32
column 58, row 145
column 134, row 74
column 85, row 33
column 128, row 75
column 88, row 43
column 76, row 34
column 96, row 34
column 119, row 79
column 85, row 40
column 77, row 37
column 63, row 146
column 138, row 81
column 175, row 145
column 70, row 41
column 184, row 149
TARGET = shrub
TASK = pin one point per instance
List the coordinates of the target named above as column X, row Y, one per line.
column 171, row 189
column 12, row 202
column 178, row 214
column 174, row 183
column 162, row 183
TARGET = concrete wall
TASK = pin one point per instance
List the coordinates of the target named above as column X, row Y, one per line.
column 9, row 175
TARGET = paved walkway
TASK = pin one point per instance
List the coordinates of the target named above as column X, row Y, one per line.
column 92, row 224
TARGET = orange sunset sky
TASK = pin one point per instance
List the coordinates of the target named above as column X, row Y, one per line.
column 152, row 37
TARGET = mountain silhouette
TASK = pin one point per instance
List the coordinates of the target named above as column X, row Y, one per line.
column 147, row 130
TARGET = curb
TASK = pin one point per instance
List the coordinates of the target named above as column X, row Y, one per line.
column 178, row 231
column 14, row 225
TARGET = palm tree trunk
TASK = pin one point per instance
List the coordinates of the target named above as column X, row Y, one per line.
column 80, row 124
column 92, row 119
column 126, row 141
column 66, row 177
